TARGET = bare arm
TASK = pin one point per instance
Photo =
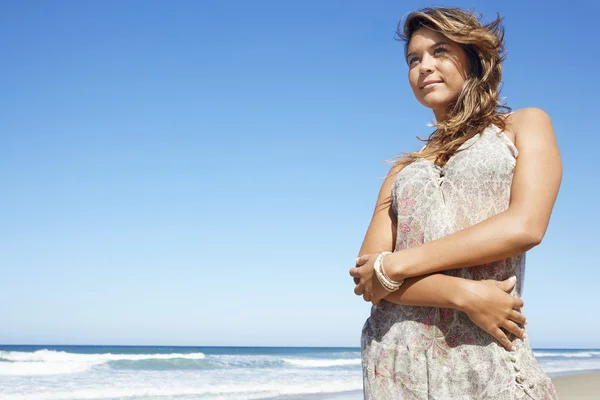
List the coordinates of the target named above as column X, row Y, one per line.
column 486, row 303
column 534, row 189
column 435, row 290
column 522, row 226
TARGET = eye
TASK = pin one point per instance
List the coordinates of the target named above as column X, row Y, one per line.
column 440, row 50
column 412, row 60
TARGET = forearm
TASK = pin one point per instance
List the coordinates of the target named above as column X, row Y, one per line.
column 435, row 290
column 501, row 236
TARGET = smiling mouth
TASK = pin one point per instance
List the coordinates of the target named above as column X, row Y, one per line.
column 430, row 83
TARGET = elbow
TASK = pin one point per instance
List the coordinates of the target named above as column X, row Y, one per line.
column 528, row 236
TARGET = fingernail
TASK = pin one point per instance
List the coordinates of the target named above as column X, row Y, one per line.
column 513, row 348
column 513, row 278
column 524, row 336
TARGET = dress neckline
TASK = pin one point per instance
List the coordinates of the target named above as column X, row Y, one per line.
column 460, row 149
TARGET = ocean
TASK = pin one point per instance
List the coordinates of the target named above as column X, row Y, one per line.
column 195, row 373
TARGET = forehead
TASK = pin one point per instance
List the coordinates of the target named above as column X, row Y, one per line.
column 425, row 37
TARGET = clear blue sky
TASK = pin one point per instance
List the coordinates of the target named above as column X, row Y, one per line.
column 203, row 173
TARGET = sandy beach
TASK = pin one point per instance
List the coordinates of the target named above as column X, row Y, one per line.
column 578, row 387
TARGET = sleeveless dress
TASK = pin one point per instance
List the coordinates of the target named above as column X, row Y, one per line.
column 436, row 353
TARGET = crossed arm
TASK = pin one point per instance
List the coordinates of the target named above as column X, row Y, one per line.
column 534, row 189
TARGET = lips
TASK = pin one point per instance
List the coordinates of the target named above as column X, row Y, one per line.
column 427, row 83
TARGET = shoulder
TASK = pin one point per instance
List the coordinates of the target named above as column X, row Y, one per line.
column 528, row 112
column 391, row 177
column 533, row 130
column 525, row 118
column 396, row 168
column 528, row 121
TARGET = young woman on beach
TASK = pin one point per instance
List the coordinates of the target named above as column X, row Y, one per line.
column 451, row 227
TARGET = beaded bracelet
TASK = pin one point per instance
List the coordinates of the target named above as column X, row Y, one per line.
column 383, row 278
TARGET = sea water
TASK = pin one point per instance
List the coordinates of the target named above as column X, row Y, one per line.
column 159, row 373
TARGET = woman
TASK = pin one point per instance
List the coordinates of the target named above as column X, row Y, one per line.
column 446, row 321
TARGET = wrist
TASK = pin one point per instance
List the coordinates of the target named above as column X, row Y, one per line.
column 384, row 279
column 394, row 267
column 461, row 297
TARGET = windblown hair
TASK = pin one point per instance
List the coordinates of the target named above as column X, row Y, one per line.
column 478, row 104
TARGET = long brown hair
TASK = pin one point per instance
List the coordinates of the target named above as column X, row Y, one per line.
column 478, row 104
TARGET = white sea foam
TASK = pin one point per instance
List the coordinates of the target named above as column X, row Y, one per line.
column 50, row 362
column 37, row 368
column 559, row 362
column 313, row 363
column 582, row 354
column 555, row 367
column 62, row 356
column 243, row 391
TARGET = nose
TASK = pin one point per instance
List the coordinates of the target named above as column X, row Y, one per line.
column 426, row 65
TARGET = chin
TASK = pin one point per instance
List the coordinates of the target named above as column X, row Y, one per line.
column 434, row 104
column 436, row 101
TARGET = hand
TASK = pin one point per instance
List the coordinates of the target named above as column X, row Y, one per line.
column 366, row 281
column 490, row 306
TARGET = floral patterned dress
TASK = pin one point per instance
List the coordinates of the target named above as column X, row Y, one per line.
column 439, row 354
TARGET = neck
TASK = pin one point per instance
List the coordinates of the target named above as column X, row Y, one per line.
column 441, row 114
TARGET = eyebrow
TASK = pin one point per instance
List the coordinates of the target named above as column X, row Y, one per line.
column 437, row 44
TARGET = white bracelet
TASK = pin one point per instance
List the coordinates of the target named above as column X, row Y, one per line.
column 379, row 273
column 385, row 281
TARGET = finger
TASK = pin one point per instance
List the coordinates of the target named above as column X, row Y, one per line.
column 514, row 329
column 518, row 304
column 503, row 340
column 367, row 297
column 517, row 317
column 508, row 284
column 359, row 289
column 362, row 260
column 354, row 272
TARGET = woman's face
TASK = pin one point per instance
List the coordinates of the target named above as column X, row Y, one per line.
column 437, row 69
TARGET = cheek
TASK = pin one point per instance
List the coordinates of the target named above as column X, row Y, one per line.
column 413, row 80
column 454, row 78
